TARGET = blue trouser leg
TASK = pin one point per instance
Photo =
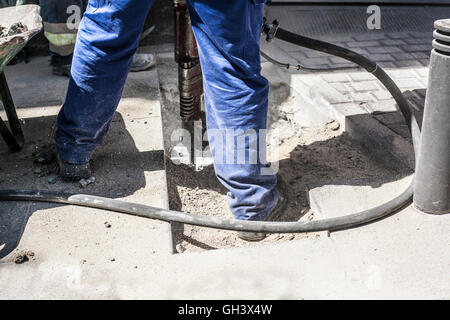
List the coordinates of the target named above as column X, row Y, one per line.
column 236, row 97
column 235, row 92
column 107, row 39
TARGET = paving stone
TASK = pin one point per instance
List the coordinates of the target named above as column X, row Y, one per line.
column 361, row 76
column 380, row 49
column 362, row 44
column 408, row 64
column 398, row 35
column 313, row 62
column 298, row 56
column 315, row 54
column 360, row 51
column 390, row 118
column 336, row 61
column 414, row 41
column 336, row 77
column 361, row 86
column 382, row 95
column 403, row 56
column 421, row 35
column 370, row 36
column 425, row 62
column 421, row 55
column 422, row 72
column 408, row 83
column 362, row 97
column 390, row 42
column 383, row 106
column 417, row 47
column 387, row 64
column 402, row 74
column 343, row 88
column 383, row 49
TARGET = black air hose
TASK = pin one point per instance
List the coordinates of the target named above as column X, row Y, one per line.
column 363, row 62
column 339, row 223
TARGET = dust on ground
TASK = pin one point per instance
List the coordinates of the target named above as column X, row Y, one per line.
column 307, row 156
column 314, row 156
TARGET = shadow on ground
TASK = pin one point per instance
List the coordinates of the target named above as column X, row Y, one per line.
column 337, row 160
column 118, row 168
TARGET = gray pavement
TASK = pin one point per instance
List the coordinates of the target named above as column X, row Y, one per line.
column 129, row 166
column 77, row 256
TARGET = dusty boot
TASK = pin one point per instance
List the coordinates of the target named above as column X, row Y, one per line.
column 73, row 172
column 63, row 70
column 273, row 216
column 142, row 61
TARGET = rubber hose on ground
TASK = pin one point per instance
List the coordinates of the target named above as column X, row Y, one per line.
column 332, row 224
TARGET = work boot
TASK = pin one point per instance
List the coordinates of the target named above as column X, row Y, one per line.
column 62, row 70
column 61, row 64
column 142, row 61
column 73, row 172
column 273, row 216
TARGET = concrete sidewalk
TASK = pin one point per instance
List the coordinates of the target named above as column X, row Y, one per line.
column 129, row 166
column 403, row 257
column 91, row 254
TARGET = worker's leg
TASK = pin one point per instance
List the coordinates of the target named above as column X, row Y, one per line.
column 107, row 39
column 236, row 97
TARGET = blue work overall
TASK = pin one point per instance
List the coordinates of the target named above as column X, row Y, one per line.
column 236, row 95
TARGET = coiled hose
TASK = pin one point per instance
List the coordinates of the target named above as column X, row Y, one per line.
column 332, row 224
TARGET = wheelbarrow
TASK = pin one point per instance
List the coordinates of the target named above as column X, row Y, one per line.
column 29, row 16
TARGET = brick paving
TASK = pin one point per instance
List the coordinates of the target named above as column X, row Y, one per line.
column 403, row 54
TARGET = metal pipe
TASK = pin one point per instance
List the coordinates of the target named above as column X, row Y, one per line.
column 432, row 184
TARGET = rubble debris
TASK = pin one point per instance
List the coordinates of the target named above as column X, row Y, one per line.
column 15, row 28
column 85, row 182
column 23, row 256
column 45, row 157
column 333, row 125
column 52, row 180
column 180, row 248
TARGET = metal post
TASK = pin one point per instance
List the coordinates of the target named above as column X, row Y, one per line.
column 432, row 182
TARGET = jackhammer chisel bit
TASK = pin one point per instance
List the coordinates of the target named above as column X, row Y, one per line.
column 189, row 71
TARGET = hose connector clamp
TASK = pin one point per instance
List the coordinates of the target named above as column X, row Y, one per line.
column 270, row 29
